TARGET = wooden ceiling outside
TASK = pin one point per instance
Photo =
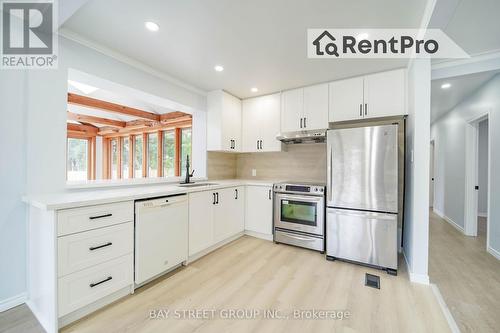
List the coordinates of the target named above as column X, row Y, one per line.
column 147, row 122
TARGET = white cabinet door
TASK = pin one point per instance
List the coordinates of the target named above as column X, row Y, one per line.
column 200, row 221
column 385, row 94
column 270, row 122
column 346, row 99
column 229, row 213
column 259, row 209
column 231, row 117
column 292, row 110
column 251, row 124
column 223, row 122
column 316, row 107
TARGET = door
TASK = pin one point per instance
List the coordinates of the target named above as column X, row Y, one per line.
column 292, row 114
column 200, row 221
column 252, row 122
column 228, row 213
column 346, row 100
column 363, row 168
column 270, row 123
column 231, row 119
column 299, row 213
column 259, row 209
column 384, row 94
column 365, row 237
column 316, row 107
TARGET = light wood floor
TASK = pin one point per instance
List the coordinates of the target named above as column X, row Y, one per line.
column 466, row 274
column 250, row 273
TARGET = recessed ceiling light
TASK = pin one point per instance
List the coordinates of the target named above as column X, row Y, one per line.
column 445, row 85
column 254, row 89
column 218, row 68
column 362, row 36
column 151, row 26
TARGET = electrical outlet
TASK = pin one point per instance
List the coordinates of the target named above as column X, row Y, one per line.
column 254, row 172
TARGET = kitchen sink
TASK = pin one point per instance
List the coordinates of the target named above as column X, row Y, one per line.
column 196, row 184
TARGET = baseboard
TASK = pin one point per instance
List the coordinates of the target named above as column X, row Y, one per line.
column 482, row 214
column 450, row 221
column 446, row 311
column 259, row 235
column 493, row 252
column 214, row 247
column 415, row 278
column 13, row 301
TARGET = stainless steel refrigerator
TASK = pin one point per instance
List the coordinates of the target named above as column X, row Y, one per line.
column 362, row 196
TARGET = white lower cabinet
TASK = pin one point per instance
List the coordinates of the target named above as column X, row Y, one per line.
column 214, row 216
column 259, row 210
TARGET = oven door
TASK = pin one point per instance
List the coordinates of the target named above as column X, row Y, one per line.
column 300, row 213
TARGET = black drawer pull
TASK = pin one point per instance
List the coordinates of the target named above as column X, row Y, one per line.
column 100, row 216
column 100, row 246
column 92, row 285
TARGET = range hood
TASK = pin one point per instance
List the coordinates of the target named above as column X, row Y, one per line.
column 311, row 136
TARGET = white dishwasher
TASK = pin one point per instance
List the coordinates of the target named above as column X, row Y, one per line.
column 161, row 235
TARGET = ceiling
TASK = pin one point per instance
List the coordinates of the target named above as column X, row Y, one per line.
column 260, row 43
column 443, row 100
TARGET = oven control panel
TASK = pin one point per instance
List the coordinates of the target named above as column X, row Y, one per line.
column 299, row 188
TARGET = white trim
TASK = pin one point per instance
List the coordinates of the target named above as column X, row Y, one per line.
column 415, row 278
column 13, row 301
column 482, row 214
column 68, row 34
column 493, row 252
column 490, row 55
column 446, row 311
column 259, row 235
column 449, row 220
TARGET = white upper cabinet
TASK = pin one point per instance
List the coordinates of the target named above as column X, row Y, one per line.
column 316, row 107
column 223, row 122
column 370, row 96
column 346, row 99
column 385, row 94
column 292, row 110
column 305, row 108
column 261, row 124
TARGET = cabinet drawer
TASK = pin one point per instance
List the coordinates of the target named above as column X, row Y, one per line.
column 87, row 286
column 89, row 248
column 70, row 221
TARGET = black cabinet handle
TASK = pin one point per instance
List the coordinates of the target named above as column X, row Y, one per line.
column 261, row 144
column 269, row 194
column 217, row 196
column 300, row 122
column 366, row 109
column 305, row 126
column 236, row 194
column 213, row 202
column 92, row 285
column 93, row 248
column 361, row 110
column 100, row 216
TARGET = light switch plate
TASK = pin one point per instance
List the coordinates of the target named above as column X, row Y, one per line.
column 254, row 172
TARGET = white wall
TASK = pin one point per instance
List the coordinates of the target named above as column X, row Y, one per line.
column 12, row 184
column 449, row 135
column 33, row 136
column 482, row 155
column 416, row 223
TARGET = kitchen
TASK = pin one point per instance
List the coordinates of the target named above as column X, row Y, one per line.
column 246, row 210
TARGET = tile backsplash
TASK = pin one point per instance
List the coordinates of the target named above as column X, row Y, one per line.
column 306, row 162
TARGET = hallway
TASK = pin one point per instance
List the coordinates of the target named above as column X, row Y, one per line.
column 467, row 276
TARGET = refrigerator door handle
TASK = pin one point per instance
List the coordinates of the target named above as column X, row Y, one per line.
column 329, row 175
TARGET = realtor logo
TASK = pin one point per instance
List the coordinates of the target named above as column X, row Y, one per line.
column 27, row 35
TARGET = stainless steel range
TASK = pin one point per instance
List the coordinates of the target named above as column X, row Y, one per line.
column 299, row 215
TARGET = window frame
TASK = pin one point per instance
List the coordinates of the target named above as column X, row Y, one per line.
column 91, row 154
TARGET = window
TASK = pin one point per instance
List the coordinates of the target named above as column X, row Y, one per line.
column 77, row 159
column 138, row 156
column 185, row 146
column 125, row 157
column 114, row 158
column 152, row 156
column 168, row 153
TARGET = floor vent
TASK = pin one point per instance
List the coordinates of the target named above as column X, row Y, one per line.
column 372, row 281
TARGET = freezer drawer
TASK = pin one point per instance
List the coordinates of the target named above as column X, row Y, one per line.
column 365, row 237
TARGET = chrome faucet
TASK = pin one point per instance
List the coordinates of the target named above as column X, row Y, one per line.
column 187, row 180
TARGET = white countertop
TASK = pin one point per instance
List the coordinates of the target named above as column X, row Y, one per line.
column 80, row 198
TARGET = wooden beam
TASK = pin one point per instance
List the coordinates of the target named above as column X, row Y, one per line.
column 111, row 107
column 82, row 129
column 172, row 115
column 107, row 130
column 140, row 123
column 95, row 120
column 126, row 131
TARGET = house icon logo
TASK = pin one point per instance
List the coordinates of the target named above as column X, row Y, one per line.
column 325, row 42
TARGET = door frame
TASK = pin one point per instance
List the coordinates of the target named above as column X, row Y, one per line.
column 471, row 176
column 432, row 172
